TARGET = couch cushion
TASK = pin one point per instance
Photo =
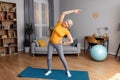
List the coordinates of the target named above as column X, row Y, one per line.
column 64, row 40
column 36, row 43
column 65, row 49
column 45, row 38
column 69, row 48
column 74, row 44
column 42, row 43
column 40, row 49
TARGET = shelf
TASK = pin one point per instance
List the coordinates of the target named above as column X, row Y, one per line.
column 11, row 46
column 8, row 20
column 8, row 28
column 8, row 12
column 9, row 38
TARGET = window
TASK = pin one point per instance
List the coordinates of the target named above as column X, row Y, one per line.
column 41, row 18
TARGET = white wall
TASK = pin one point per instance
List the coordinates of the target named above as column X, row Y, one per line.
column 20, row 21
column 85, row 24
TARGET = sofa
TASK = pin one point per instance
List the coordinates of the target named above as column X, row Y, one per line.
column 73, row 48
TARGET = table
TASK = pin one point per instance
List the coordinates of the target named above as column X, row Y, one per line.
column 103, row 40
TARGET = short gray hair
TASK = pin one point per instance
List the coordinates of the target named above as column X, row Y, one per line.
column 70, row 22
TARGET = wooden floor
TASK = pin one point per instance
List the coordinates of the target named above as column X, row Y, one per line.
column 11, row 66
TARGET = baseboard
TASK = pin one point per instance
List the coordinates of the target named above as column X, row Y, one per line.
column 112, row 53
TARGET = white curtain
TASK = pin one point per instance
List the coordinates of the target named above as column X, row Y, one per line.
column 41, row 18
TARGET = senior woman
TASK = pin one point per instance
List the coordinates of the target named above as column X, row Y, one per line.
column 60, row 30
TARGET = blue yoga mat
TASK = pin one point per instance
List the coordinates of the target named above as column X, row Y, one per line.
column 30, row 72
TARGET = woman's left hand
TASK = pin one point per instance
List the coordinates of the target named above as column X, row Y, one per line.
column 78, row 10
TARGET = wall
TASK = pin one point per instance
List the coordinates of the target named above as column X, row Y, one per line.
column 85, row 24
column 20, row 21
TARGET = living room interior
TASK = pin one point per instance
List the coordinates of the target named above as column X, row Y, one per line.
column 100, row 19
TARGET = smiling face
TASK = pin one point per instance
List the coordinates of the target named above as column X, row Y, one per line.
column 68, row 23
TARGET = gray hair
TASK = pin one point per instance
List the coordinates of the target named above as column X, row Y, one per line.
column 70, row 22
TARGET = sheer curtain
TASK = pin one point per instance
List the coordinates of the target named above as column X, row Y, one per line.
column 41, row 18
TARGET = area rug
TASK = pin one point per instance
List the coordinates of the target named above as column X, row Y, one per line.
column 30, row 72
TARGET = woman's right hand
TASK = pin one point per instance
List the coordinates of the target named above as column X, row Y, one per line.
column 60, row 42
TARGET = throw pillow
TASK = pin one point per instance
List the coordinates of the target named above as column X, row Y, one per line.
column 36, row 42
column 74, row 44
column 42, row 43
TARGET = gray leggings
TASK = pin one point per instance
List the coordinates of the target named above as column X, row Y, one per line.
column 59, row 49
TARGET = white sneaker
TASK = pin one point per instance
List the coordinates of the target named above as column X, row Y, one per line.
column 47, row 73
column 69, row 74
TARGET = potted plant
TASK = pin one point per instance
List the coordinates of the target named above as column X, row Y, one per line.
column 28, row 31
column 26, row 45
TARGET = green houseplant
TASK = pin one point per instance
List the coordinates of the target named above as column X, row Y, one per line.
column 28, row 31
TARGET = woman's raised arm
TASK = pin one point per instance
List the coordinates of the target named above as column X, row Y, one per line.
column 68, row 12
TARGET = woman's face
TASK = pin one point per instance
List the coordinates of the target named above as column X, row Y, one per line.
column 68, row 23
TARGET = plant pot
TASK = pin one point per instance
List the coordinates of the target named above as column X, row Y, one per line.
column 27, row 49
